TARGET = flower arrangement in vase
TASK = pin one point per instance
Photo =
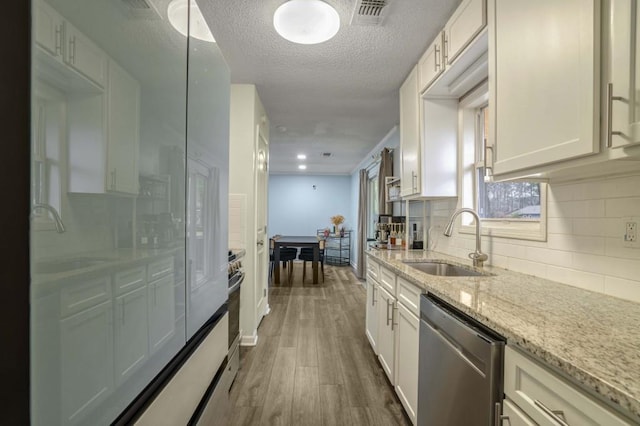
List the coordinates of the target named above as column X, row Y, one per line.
column 336, row 220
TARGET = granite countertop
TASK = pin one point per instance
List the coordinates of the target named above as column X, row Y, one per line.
column 591, row 338
column 44, row 281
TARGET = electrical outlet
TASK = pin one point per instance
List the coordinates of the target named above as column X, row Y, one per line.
column 631, row 232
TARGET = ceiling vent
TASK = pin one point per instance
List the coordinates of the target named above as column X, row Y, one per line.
column 326, row 154
column 369, row 12
column 139, row 9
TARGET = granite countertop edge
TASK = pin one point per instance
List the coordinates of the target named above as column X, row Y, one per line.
column 600, row 387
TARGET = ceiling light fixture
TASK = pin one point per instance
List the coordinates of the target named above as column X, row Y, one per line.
column 178, row 13
column 302, row 167
column 302, row 157
column 306, row 21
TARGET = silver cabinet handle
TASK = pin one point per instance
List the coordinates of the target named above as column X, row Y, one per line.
column 72, row 50
column 499, row 417
column 414, row 178
column 556, row 415
column 394, row 308
column 58, row 40
column 260, row 243
column 445, row 49
column 436, row 65
column 610, row 99
column 373, row 295
column 388, row 312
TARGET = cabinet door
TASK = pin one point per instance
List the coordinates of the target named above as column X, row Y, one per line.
column 410, row 135
column 543, row 84
column 624, row 51
column 84, row 56
column 48, row 28
column 407, row 335
column 161, row 312
column 431, row 64
column 386, row 335
column 122, row 130
column 86, row 344
column 372, row 314
column 131, row 333
column 466, row 22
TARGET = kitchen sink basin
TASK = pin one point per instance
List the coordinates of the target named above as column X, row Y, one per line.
column 444, row 269
column 58, row 266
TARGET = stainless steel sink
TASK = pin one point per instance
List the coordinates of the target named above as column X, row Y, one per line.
column 54, row 267
column 445, row 269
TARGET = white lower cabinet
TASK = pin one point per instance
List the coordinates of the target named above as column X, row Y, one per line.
column 393, row 330
column 406, row 357
column 131, row 329
column 386, row 336
column 161, row 312
column 372, row 314
column 86, row 342
column 513, row 416
column 549, row 399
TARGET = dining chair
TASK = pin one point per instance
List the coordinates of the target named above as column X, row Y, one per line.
column 306, row 255
column 287, row 256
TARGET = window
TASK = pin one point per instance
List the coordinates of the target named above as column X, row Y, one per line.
column 513, row 209
column 373, row 202
column 47, row 133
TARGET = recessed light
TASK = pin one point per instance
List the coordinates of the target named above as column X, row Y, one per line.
column 302, row 167
column 306, row 21
column 302, row 157
column 178, row 13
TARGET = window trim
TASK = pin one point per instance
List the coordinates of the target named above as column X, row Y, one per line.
column 501, row 228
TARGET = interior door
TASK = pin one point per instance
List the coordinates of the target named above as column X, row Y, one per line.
column 262, row 250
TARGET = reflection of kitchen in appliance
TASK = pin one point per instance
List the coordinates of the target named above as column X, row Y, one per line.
column 236, row 277
column 156, row 225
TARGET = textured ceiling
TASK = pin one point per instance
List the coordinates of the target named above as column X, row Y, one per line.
column 340, row 96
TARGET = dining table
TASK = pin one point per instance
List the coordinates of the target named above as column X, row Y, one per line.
column 295, row 241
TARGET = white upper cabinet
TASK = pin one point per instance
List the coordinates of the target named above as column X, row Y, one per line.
column 456, row 61
column 409, row 136
column 431, row 64
column 543, row 82
column 466, row 22
column 123, row 130
column 624, row 75
column 68, row 46
column 84, row 56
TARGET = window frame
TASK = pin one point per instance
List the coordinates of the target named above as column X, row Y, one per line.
column 470, row 140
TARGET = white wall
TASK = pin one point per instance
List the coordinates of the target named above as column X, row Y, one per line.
column 584, row 246
column 296, row 208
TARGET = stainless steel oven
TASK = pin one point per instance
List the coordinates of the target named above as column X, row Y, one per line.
column 236, row 277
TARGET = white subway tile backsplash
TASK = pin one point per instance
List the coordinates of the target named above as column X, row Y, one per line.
column 625, row 289
column 584, row 245
column 620, row 207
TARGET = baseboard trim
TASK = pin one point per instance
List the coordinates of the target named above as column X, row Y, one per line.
column 250, row 340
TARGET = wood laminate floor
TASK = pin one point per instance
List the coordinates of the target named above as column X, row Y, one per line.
column 313, row 364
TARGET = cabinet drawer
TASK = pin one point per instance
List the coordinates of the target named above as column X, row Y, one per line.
column 409, row 296
column 129, row 279
column 373, row 269
column 538, row 391
column 514, row 416
column 159, row 268
column 84, row 294
column 388, row 280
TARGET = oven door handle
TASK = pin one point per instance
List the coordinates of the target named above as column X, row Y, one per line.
column 236, row 286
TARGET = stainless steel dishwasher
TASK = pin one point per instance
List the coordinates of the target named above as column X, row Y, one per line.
column 460, row 368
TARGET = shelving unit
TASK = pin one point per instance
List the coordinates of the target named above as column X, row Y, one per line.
column 337, row 250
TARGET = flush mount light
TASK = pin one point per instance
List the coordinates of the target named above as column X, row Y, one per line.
column 302, row 167
column 306, row 21
column 178, row 13
column 302, row 157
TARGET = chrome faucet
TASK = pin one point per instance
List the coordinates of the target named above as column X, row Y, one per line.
column 478, row 256
column 56, row 217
